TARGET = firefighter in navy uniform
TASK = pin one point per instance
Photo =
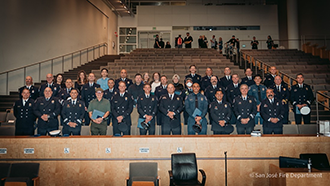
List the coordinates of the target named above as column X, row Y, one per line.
column 245, row 109
column 232, row 91
column 220, row 112
column 196, row 78
column 211, row 90
column 206, row 80
column 50, row 83
column 147, row 109
column 88, row 93
column 171, row 106
column 34, row 92
column 226, row 79
column 301, row 95
column 282, row 93
column 23, row 111
column 123, row 77
column 47, row 109
column 64, row 93
column 121, row 109
column 269, row 79
column 73, row 112
column 107, row 94
column 249, row 79
column 272, row 110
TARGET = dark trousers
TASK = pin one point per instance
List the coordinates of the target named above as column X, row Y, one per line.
column 87, row 119
column 298, row 118
column 45, row 131
column 277, row 130
column 70, row 130
column 151, row 130
column 244, row 130
column 24, row 132
column 167, row 129
column 225, row 130
column 116, row 130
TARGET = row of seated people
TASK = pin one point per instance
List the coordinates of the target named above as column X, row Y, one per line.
column 44, row 107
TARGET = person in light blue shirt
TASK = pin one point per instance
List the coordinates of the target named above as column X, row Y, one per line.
column 258, row 91
column 194, row 101
column 103, row 81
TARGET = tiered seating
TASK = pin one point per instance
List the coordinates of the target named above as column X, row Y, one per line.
column 169, row 62
column 292, row 62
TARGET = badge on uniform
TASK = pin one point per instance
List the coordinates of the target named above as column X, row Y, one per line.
column 263, row 89
column 54, row 88
column 277, row 104
column 115, row 92
column 125, row 98
column 32, row 91
column 41, row 103
column 68, row 106
column 231, row 90
column 250, row 101
column 265, row 105
column 284, row 89
column 198, row 78
column 163, row 97
column 30, row 104
column 225, row 105
column 295, row 90
column 239, row 103
column 178, row 98
column 141, row 98
column 128, row 82
column 306, row 88
column 79, row 105
column 216, row 108
column 53, row 101
column 152, row 99
column 202, row 99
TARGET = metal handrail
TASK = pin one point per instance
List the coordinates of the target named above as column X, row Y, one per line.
column 317, row 109
column 51, row 60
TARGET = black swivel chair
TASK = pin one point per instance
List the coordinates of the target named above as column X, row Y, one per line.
column 184, row 170
column 319, row 160
column 24, row 172
column 4, row 171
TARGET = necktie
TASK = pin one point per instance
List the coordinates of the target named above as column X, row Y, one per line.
column 147, row 96
column 90, row 85
column 24, row 101
column 47, row 99
column 278, row 88
column 196, row 101
column 235, row 85
column 121, row 95
column 259, row 94
column 171, row 96
column 249, row 78
column 244, row 98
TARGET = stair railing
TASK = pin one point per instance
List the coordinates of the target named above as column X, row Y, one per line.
column 323, row 100
column 94, row 48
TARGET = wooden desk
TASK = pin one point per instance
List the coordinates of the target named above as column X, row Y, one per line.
column 297, row 176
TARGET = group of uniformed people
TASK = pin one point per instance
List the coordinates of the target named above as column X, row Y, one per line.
column 227, row 101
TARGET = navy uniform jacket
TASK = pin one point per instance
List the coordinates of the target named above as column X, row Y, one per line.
column 232, row 92
column 196, row 79
column 160, row 91
column 245, row 109
column 88, row 93
column 34, row 92
column 284, row 95
column 219, row 112
column 24, row 114
column 269, row 80
column 248, row 82
column 175, row 105
column 206, row 81
column 73, row 113
column 136, row 90
column 122, row 106
column 189, row 105
column 275, row 110
column 108, row 94
column 224, row 82
column 253, row 91
column 147, row 106
column 301, row 95
column 52, row 107
column 210, row 93
column 64, row 93
column 128, row 82
column 55, row 88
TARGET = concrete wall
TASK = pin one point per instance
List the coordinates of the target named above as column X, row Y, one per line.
column 37, row 30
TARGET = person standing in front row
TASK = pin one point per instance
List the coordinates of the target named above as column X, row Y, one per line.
column 73, row 112
column 121, row 109
column 47, row 109
column 220, row 112
column 272, row 111
column 88, row 93
column 194, row 101
column 245, row 109
column 99, row 124
column 147, row 109
column 23, row 111
column 170, row 107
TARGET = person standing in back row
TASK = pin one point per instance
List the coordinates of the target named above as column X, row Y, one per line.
column 254, row 43
column 178, row 41
column 188, row 40
column 156, row 45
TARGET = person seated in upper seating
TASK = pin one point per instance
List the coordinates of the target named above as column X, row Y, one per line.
column 34, row 92
column 258, row 91
column 272, row 111
column 50, row 83
column 47, row 109
column 301, row 95
column 23, row 111
column 137, row 88
column 146, row 78
column 64, row 93
column 155, row 82
column 73, row 112
column 249, row 80
column 162, row 88
column 179, row 90
column 269, row 79
column 103, row 81
column 88, row 93
column 81, row 80
column 123, row 77
column 168, row 45
column 226, row 79
column 60, row 80
column 196, row 78
column 206, row 80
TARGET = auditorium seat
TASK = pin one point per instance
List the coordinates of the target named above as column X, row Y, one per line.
column 7, row 130
column 24, row 172
column 85, row 130
column 290, row 129
column 143, row 172
column 4, row 171
column 307, row 129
